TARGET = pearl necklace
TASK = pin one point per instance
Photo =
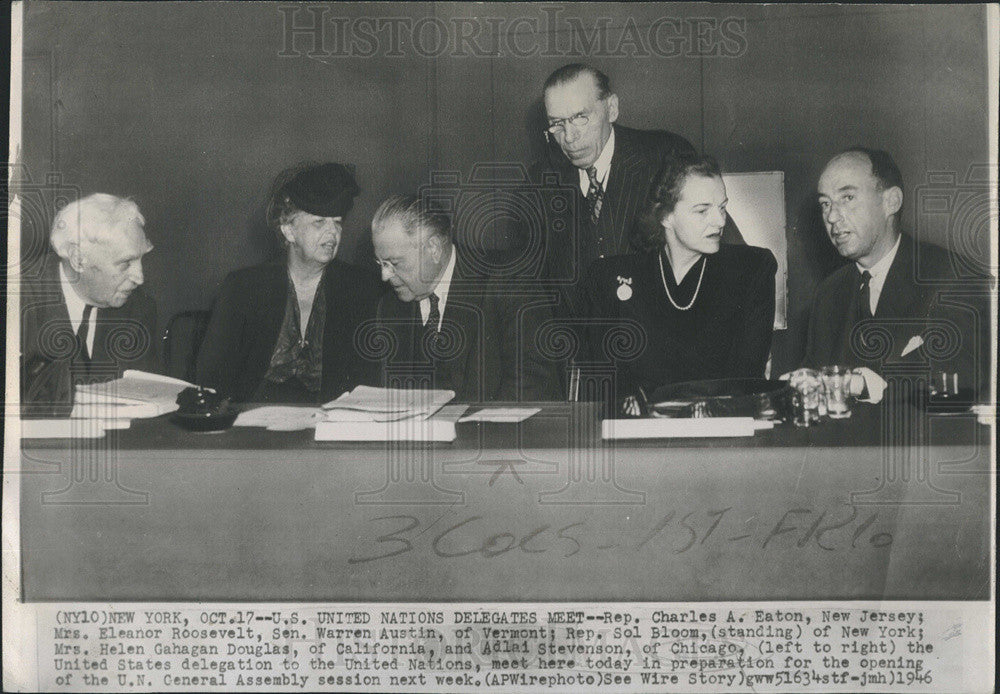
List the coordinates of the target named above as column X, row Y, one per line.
column 696, row 289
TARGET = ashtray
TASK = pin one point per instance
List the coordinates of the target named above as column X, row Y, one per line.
column 204, row 410
column 951, row 403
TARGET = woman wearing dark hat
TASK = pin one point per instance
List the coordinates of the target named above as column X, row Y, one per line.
column 702, row 309
column 283, row 331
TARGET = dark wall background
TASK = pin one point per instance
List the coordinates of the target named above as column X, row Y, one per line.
column 191, row 110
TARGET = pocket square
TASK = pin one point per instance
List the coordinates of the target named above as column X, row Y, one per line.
column 914, row 342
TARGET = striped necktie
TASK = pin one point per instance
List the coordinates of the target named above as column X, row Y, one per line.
column 431, row 327
column 595, row 195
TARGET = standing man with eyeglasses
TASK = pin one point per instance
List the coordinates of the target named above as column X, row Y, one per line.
column 611, row 164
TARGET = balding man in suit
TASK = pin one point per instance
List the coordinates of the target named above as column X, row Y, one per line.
column 462, row 331
column 893, row 286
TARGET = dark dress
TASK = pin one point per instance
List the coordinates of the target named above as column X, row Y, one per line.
column 295, row 373
column 239, row 346
column 726, row 333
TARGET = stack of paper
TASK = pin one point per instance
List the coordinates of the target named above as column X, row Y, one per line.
column 367, row 404
column 440, row 427
column 390, row 414
column 136, row 394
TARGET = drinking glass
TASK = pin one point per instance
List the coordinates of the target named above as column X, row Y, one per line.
column 836, row 384
column 808, row 397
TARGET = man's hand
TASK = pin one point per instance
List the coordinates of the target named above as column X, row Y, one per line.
column 867, row 386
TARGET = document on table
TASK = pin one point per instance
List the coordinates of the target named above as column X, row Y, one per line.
column 386, row 404
column 505, row 415
column 438, row 428
column 136, row 394
column 280, row 418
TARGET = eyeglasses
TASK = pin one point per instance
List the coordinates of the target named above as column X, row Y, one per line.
column 558, row 126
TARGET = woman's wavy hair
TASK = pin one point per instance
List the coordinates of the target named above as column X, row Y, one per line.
column 664, row 192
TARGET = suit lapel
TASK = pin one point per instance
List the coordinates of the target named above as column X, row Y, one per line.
column 899, row 298
column 336, row 336
column 46, row 383
column 401, row 319
column 843, row 328
column 338, row 308
column 623, row 191
column 46, row 302
column 461, row 315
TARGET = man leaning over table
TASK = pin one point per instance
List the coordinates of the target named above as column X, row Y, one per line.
column 84, row 317
column 893, row 283
column 462, row 330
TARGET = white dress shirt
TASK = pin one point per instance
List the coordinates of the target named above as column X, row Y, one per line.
column 878, row 271
column 603, row 165
column 441, row 289
column 75, row 305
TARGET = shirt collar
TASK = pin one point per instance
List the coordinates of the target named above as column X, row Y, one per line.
column 879, row 269
column 603, row 165
column 603, row 162
column 441, row 288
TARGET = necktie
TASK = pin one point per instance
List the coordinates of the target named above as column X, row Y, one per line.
column 595, row 195
column 431, row 326
column 864, row 296
column 82, row 358
column 83, row 332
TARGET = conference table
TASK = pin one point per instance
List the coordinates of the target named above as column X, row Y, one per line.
column 874, row 506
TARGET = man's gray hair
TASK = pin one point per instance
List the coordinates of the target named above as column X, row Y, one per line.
column 412, row 211
column 93, row 219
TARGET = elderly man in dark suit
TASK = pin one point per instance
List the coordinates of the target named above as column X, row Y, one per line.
column 451, row 329
column 611, row 165
column 84, row 317
column 891, row 291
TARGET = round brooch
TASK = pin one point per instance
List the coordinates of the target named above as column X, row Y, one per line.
column 624, row 291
